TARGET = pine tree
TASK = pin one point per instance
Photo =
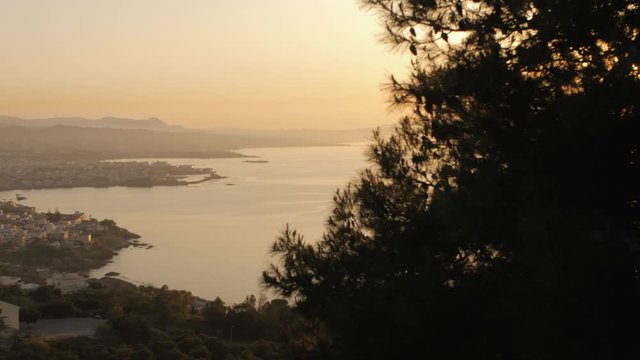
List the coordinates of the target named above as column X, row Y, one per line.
column 501, row 218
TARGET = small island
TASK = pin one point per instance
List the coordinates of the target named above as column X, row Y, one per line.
column 35, row 245
column 22, row 174
column 255, row 161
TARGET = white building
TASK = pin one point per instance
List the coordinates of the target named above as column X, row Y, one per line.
column 10, row 315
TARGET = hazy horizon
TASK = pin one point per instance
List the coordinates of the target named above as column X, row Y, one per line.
column 187, row 127
column 200, row 64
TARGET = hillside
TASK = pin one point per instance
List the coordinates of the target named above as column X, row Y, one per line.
column 70, row 142
column 106, row 122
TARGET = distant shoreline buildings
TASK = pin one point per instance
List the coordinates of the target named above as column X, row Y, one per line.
column 21, row 225
column 22, row 175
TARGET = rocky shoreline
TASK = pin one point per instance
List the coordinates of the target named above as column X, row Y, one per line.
column 34, row 245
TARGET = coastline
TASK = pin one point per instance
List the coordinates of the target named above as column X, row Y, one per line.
column 210, row 238
column 36, row 245
column 103, row 174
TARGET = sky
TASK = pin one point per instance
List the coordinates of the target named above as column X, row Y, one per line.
column 279, row 64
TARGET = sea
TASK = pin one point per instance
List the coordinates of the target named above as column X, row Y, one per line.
column 213, row 238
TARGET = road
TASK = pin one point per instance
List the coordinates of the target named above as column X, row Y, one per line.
column 64, row 328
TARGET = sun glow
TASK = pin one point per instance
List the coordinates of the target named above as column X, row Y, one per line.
column 276, row 64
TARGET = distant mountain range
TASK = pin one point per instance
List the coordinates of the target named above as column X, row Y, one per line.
column 106, row 122
column 306, row 135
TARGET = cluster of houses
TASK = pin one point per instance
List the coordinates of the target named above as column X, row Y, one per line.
column 42, row 175
column 65, row 282
column 21, row 225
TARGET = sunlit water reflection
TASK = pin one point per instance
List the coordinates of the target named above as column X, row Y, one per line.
column 213, row 238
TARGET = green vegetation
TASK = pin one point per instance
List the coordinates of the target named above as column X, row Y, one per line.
column 152, row 323
column 500, row 220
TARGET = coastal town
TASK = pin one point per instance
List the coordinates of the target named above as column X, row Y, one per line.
column 51, row 247
column 45, row 258
column 21, row 226
column 29, row 174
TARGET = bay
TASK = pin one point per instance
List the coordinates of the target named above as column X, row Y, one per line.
column 213, row 238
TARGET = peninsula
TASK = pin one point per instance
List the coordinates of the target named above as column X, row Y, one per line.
column 34, row 244
column 24, row 175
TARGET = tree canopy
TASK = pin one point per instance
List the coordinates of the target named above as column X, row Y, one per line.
column 500, row 219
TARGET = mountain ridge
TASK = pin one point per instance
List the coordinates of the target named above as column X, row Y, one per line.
column 111, row 122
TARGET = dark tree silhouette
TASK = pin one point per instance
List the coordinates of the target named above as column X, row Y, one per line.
column 501, row 217
column 29, row 315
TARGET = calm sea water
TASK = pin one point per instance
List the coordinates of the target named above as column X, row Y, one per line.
column 213, row 238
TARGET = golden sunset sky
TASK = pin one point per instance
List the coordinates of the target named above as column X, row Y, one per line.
column 197, row 63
